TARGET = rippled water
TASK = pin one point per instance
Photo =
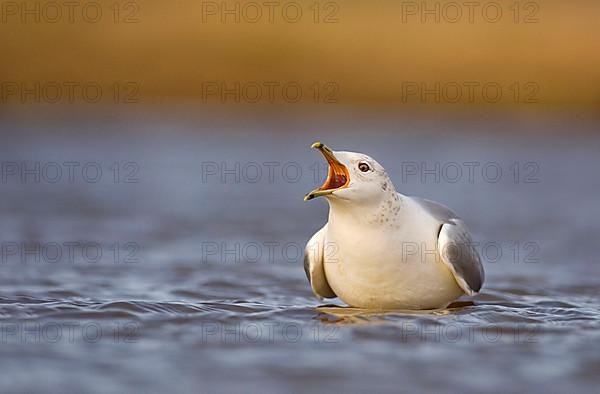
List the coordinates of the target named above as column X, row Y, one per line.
column 207, row 291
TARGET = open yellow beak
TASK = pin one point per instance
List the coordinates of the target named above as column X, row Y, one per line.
column 337, row 176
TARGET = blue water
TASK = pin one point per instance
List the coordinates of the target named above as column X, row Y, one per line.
column 177, row 269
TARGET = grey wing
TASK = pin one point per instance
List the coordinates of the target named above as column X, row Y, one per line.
column 456, row 247
column 314, row 265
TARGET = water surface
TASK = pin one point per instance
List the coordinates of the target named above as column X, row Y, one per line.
column 180, row 301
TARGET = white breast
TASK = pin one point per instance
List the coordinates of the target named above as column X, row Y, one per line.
column 393, row 264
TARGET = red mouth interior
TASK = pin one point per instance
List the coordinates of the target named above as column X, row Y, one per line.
column 337, row 177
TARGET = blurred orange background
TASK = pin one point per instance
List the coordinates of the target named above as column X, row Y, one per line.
column 370, row 53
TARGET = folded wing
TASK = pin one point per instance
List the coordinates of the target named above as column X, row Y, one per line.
column 314, row 265
column 456, row 248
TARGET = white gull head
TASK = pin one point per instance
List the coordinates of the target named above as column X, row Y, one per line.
column 354, row 178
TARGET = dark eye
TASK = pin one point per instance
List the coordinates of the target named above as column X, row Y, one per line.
column 364, row 167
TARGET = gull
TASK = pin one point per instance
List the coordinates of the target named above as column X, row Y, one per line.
column 383, row 250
